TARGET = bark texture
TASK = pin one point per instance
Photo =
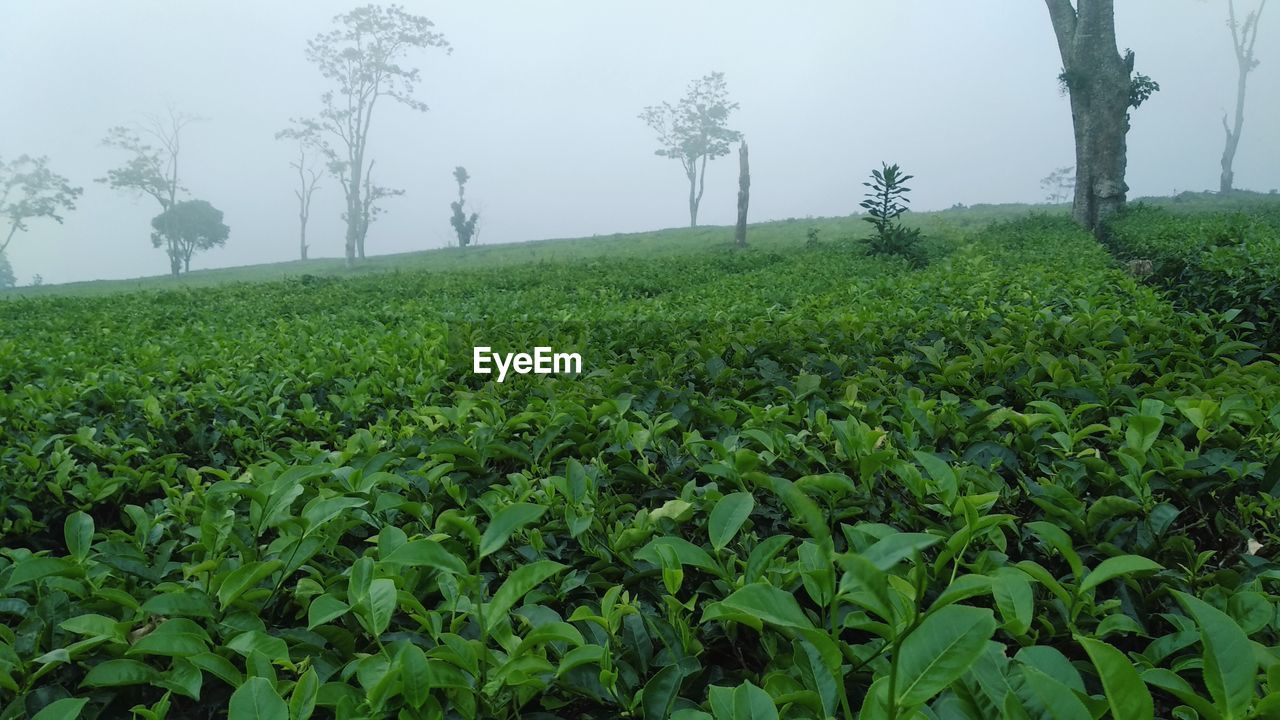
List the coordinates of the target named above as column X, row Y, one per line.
column 744, row 195
column 1099, row 80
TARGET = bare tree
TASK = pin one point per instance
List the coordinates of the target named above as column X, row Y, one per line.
column 694, row 131
column 308, row 181
column 364, row 57
column 1103, row 87
column 152, row 169
column 1243, row 38
column 1059, row 185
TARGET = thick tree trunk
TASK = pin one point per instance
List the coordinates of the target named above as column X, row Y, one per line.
column 744, row 195
column 1098, row 80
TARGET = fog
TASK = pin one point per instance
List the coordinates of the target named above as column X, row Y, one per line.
column 539, row 101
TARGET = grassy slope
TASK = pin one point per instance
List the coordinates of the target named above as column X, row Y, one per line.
column 656, row 243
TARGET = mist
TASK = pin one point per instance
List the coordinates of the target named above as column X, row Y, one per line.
column 540, row 101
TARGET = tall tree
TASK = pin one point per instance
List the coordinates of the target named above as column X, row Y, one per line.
column 694, row 131
column 463, row 225
column 308, row 182
column 186, row 227
column 6, row 273
column 154, row 148
column 369, row 210
column 1243, row 38
column 364, row 56
column 744, row 195
column 29, row 190
column 1103, row 87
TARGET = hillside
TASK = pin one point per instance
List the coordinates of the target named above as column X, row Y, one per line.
column 800, row 481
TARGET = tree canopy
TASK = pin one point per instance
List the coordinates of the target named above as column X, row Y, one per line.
column 187, row 227
column 29, row 190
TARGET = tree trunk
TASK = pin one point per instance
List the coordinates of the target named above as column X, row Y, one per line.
column 1098, row 80
column 744, row 195
column 693, row 202
column 302, row 235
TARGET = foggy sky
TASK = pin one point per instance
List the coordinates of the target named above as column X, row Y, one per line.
column 540, row 101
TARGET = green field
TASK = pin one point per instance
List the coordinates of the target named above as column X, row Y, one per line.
column 792, row 481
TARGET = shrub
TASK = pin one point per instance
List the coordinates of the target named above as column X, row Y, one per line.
column 885, row 204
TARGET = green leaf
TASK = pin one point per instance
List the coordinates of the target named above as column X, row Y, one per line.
column 1230, row 665
column 257, row 700
column 184, row 603
column 518, row 583
column 426, row 553
column 769, row 604
column 939, row 650
column 381, row 604
column 1012, row 591
column 415, row 675
column 243, row 579
column 945, row 478
column 78, row 531
column 178, row 637
column 889, row 551
column 753, row 703
column 113, row 673
column 1126, row 694
column 508, row 520
column 323, row 609
column 64, row 709
column 34, row 569
column 728, row 516
column 661, row 691
column 1115, row 567
column 1059, row 701
column 302, row 702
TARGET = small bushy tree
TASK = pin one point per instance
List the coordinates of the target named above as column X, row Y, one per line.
column 885, row 203
column 463, row 225
column 185, row 228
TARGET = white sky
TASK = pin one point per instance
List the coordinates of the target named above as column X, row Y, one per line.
column 539, row 102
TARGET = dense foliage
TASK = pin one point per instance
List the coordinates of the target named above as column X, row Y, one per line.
column 1226, row 261
column 789, row 483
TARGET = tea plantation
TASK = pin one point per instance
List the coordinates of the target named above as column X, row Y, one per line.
column 794, row 481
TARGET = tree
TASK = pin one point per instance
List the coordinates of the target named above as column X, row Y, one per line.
column 1059, row 185
column 364, row 56
column 369, row 210
column 695, row 131
column 1243, row 38
column 29, row 190
column 744, row 195
column 151, row 170
column 464, row 226
column 7, row 280
column 308, row 181
column 1103, row 87
column 186, row 227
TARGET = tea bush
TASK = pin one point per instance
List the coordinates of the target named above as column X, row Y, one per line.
column 1015, row 483
column 1224, row 261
